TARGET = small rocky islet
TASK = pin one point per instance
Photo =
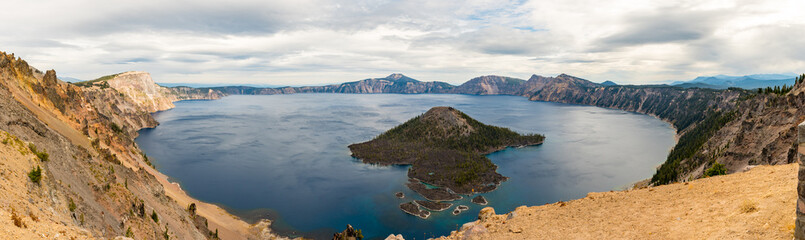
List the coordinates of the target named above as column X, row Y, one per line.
column 413, row 209
column 460, row 208
column 445, row 149
column 480, row 200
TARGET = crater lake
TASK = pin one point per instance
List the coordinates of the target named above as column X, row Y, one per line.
column 285, row 157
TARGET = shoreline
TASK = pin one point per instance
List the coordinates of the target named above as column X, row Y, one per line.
column 228, row 225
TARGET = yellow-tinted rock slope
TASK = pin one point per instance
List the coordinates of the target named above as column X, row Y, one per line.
column 94, row 181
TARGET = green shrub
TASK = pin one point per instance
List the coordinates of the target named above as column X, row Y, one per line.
column 43, row 156
column 71, row 205
column 192, row 209
column 716, row 169
column 129, row 234
column 116, row 128
column 35, row 174
column 154, row 216
column 32, row 147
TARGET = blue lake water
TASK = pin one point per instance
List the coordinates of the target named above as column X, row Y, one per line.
column 286, row 157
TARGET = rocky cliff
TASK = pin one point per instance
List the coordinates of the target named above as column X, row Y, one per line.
column 71, row 168
column 143, row 91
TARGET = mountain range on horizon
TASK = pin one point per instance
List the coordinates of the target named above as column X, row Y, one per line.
column 746, row 82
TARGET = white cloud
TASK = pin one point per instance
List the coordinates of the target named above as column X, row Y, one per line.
column 329, row 41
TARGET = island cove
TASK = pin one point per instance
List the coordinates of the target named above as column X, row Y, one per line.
column 446, row 149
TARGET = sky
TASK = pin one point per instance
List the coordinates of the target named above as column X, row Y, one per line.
column 312, row 42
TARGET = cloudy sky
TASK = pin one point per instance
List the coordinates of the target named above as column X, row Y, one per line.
column 303, row 42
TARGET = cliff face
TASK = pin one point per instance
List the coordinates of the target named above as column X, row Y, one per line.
column 95, row 182
column 761, row 130
column 681, row 107
column 762, row 133
column 143, row 91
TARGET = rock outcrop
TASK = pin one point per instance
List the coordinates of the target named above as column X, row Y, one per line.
column 143, row 91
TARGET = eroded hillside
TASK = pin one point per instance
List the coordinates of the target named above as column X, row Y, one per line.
column 94, row 181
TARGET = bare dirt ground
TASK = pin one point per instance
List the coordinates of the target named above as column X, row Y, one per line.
column 757, row 204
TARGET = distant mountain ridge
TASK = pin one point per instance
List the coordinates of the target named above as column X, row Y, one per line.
column 399, row 83
column 746, row 82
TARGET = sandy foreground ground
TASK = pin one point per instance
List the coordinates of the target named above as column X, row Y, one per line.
column 757, row 204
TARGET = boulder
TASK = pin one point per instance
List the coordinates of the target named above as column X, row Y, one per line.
column 486, row 213
column 476, row 232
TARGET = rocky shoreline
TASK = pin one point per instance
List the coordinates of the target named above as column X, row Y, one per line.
column 433, row 206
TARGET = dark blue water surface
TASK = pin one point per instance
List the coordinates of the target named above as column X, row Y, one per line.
column 286, row 156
